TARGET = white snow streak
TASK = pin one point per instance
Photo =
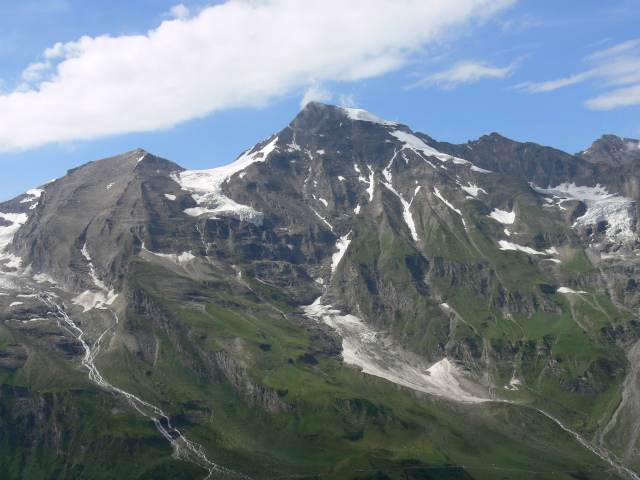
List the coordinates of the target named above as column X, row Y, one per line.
column 371, row 183
column 169, row 196
column 504, row 245
column 411, row 142
column 406, row 211
column 448, row 204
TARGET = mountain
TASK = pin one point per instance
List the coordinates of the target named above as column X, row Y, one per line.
column 348, row 299
column 612, row 150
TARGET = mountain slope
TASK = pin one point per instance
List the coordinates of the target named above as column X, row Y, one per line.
column 347, row 297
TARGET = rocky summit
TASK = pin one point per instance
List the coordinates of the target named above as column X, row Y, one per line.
column 348, row 299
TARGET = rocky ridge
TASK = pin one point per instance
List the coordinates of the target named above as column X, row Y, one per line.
column 476, row 274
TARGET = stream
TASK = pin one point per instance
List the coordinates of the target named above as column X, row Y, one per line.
column 183, row 448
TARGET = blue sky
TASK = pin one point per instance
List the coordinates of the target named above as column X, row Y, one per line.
column 199, row 82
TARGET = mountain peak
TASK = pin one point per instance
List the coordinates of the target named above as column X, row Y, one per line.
column 612, row 150
column 316, row 112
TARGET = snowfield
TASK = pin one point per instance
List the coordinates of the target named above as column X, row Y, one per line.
column 601, row 205
column 206, row 187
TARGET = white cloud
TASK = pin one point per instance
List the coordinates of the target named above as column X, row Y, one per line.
column 617, row 67
column 348, row 101
column 180, row 11
column 621, row 97
column 467, row 71
column 237, row 54
column 317, row 93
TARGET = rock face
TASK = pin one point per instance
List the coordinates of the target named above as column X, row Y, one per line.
column 612, row 150
column 342, row 285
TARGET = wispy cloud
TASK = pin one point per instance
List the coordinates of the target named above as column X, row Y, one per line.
column 616, row 69
column 348, row 101
column 316, row 92
column 241, row 53
column 468, row 71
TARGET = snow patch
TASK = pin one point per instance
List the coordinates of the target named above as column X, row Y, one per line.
column 43, row 277
column 15, row 304
column 472, row 189
column 169, row 196
column 33, row 194
column 341, row 178
column 341, row 245
column 481, row 170
column 363, row 115
column 12, row 261
column 7, row 233
column 507, row 232
column 206, row 187
column 178, row 258
column 326, row 204
column 110, row 185
column 504, row 245
column 361, row 346
column 568, row 290
column 93, row 299
column 6, row 237
column 504, row 217
column 357, row 210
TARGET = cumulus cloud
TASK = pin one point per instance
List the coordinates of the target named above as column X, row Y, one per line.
column 180, row 11
column 467, row 71
column 616, row 69
column 241, row 53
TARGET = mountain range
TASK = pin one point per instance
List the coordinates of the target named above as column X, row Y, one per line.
column 348, row 299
